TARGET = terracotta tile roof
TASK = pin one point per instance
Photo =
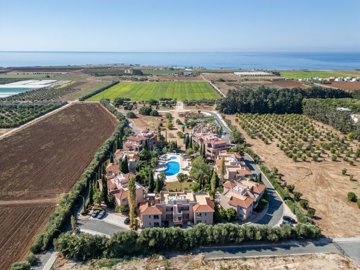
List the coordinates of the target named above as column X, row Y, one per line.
column 243, row 203
column 112, row 167
column 258, row 188
column 205, row 208
column 145, row 209
column 244, row 172
column 111, row 185
column 137, row 138
column 120, row 194
column 229, row 184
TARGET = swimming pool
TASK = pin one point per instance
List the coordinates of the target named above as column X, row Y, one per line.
column 172, row 167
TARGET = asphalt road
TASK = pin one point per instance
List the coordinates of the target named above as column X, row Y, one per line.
column 276, row 249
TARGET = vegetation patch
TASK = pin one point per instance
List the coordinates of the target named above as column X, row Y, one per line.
column 180, row 90
column 307, row 74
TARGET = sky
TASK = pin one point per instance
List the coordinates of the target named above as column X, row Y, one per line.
column 180, row 25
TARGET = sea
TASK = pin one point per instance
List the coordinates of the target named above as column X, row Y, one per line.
column 215, row 60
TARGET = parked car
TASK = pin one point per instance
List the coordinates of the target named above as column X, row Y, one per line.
column 127, row 221
column 101, row 214
column 95, row 213
column 289, row 219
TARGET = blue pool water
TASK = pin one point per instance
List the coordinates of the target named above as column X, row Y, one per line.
column 172, row 168
column 173, row 158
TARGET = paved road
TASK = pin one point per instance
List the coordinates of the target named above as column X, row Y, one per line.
column 276, row 249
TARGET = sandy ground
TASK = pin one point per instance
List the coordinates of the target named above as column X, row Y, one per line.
column 4, row 130
column 305, row 262
column 321, row 183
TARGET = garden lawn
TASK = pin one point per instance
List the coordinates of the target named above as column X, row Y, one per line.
column 180, row 90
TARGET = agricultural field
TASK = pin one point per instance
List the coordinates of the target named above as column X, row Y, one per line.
column 19, row 224
column 350, row 86
column 298, row 137
column 303, row 74
column 180, row 90
column 52, row 153
column 321, row 182
column 15, row 114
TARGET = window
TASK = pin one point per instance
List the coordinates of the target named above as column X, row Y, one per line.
column 156, row 216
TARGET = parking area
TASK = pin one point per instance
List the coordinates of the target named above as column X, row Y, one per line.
column 109, row 224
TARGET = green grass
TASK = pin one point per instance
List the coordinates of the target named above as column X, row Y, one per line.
column 302, row 74
column 181, row 90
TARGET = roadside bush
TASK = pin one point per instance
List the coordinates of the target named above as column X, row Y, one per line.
column 157, row 240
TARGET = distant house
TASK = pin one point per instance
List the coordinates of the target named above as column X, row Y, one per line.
column 188, row 72
column 177, row 208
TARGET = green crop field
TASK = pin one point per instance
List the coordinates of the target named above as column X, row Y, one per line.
column 302, row 74
column 181, row 90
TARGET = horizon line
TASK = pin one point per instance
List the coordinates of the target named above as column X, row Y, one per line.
column 90, row 51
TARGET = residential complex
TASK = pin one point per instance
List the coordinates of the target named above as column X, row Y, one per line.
column 136, row 143
column 177, row 208
column 212, row 143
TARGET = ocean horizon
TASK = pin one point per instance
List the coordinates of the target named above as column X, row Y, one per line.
column 211, row 60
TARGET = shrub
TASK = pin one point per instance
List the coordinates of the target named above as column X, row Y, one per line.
column 145, row 110
column 352, row 197
column 131, row 115
column 358, row 203
column 344, row 171
column 21, row 265
column 154, row 113
column 297, row 196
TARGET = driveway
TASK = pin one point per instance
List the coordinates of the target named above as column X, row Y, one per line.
column 112, row 223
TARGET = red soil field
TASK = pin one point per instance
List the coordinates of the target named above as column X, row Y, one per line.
column 47, row 158
column 288, row 83
column 18, row 225
column 40, row 162
column 347, row 85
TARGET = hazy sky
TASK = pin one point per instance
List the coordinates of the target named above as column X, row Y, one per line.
column 181, row 25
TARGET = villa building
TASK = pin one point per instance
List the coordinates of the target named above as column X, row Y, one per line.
column 235, row 168
column 177, row 208
column 213, row 144
column 243, row 196
column 135, row 143
column 118, row 187
column 132, row 157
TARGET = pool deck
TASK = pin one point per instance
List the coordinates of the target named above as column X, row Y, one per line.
column 180, row 158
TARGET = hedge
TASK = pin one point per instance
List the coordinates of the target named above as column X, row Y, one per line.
column 93, row 93
column 63, row 211
column 157, row 240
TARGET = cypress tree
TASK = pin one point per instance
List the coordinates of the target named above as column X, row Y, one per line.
column 151, row 182
column 124, row 165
